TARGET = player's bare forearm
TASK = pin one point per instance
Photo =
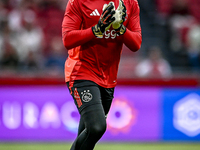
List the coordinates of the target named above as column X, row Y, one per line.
column 132, row 40
column 76, row 38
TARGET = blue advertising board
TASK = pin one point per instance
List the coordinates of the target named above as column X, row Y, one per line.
column 181, row 114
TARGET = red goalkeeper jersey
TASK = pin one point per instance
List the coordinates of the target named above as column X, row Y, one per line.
column 91, row 58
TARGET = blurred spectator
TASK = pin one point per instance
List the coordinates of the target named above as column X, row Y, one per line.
column 3, row 13
column 193, row 37
column 50, row 18
column 180, row 20
column 33, row 62
column 9, row 57
column 154, row 65
column 30, row 39
column 19, row 20
column 8, row 42
column 56, row 55
column 179, row 7
column 165, row 6
column 23, row 33
column 3, row 25
column 19, row 11
column 30, row 34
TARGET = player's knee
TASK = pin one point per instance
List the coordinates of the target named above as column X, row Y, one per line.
column 98, row 128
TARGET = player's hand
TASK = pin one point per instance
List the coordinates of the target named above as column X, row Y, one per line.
column 120, row 15
column 105, row 20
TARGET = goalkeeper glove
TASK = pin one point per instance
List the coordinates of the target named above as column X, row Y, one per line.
column 120, row 15
column 105, row 20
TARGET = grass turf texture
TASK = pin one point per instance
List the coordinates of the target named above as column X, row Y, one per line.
column 102, row 146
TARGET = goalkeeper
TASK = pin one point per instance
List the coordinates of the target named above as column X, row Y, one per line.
column 93, row 32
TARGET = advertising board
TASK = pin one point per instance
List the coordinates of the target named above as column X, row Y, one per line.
column 181, row 114
column 48, row 113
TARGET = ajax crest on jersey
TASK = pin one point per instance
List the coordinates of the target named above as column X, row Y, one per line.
column 86, row 96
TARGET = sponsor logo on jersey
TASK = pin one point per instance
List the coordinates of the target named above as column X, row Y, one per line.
column 95, row 13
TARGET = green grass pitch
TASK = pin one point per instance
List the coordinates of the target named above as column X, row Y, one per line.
column 102, row 146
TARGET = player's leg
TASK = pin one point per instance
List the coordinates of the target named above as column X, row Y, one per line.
column 81, row 126
column 106, row 98
column 87, row 98
column 107, row 95
column 95, row 127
